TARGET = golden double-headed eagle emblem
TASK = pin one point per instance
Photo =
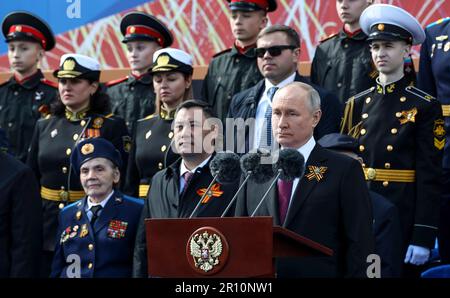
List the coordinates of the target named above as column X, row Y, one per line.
column 206, row 249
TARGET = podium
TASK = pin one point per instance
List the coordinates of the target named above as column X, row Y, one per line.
column 232, row 247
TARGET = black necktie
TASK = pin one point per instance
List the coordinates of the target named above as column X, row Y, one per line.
column 95, row 213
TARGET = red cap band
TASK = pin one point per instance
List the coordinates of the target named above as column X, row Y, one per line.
column 30, row 31
column 261, row 3
column 144, row 30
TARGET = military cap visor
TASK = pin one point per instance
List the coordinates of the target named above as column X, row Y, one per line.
column 388, row 22
column 253, row 5
column 141, row 26
column 78, row 66
column 22, row 25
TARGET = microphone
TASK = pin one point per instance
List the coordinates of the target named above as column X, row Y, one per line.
column 225, row 169
column 290, row 165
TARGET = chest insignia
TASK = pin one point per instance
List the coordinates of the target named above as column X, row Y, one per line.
column 316, row 173
column 215, row 191
column 408, row 116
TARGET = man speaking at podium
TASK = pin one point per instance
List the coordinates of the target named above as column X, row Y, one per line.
column 330, row 204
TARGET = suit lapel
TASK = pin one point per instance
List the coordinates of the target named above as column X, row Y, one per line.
column 109, row 212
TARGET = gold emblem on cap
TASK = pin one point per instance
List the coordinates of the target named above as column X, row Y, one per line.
column 87, row 149
column 18, row 28
column 132, row 29
column 69, row 64
column 380, row 27
column 162, row 60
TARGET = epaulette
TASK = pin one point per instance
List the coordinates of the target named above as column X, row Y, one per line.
column 440, row 21
column 223, row 52
column 328, row 37
column 115, row 82
column 363, row 93
column 419, row 93
column 148, row 117
column 49, row 83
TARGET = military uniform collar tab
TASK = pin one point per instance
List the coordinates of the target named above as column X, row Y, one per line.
column 145, row 78
column 76, row 116
column 390, row 87
column 166, row 115
column 30, row 82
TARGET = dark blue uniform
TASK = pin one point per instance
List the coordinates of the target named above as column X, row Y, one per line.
column 105, row 249
column 434, row 78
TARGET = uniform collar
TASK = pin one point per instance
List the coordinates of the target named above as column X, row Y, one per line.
column 145, row 79
column 30, row 82
column 76, row 116
column 250, row 52
column 166, row 115
column 357, row 35
column 89, row 204
column 392, row 87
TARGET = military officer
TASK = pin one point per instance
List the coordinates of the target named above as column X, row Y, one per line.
column 235, row 69
column 79, row 113
column 400, row 131
column 96, row 234
column 151, row 149
column 133, row 97
column 176, row 190
column 434, row 78
column 27, row 95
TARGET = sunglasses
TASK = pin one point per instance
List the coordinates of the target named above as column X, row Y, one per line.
column 273, row 51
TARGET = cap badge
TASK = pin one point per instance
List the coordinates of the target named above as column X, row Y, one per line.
column 69, row 64
column 380, row 27
column 163, row 60
column 132, row 30
column 87, row 149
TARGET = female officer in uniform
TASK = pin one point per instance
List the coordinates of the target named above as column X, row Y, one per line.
column 172, row 79
column 79, row 113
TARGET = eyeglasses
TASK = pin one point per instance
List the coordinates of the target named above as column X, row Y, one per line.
column 273, row 51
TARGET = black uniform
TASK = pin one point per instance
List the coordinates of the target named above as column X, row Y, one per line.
column 400, row 133
column 150, row 152
column 20, row 220
column 21, row 105
column 132, row 98
column 53, row 142
column 229, row 73
column 343, row 65
column 164, row 201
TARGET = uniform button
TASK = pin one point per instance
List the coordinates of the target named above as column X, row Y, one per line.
column 83, row 122
column 361, row 148
column 90, row 265
column 60, row 206
column 229, row 96
column 237, row 60
column 68, row 151
column 387, row 165
column 132, row 88
column 402, row 99
column 170, row 135
column 127, row 123
column 363, row 131
column 91, row 246
column 363, row 165
column 10, row 124
column 368, row 99
column 398, row 114
column 16, row 93
column 389, row 148
column 163, row 148
column 385, row 183
column 75, row 137
column 339, row 85
column 394, row 131
column 64, row 170
column 346, row 45
column 160, row 165
column 365, row 115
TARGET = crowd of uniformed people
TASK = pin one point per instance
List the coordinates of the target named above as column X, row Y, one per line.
column 83, row 164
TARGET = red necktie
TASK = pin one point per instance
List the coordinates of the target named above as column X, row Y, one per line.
column 284, row 196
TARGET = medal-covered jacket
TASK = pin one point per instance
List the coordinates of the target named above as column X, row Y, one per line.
column 102, row 250
column 434, row 74
column 164, row 201
column 343, row 65
column 150, row 152
column 53, row 141
column 21, row 105
column 132, row 98
column 229, row 73
column 401, row 135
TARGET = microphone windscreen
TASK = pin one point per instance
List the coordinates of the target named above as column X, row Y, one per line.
column 226, row 165
column 291, row 162
column 261, row 172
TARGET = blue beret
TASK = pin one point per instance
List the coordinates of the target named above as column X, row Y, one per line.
column 94, row 148
column 337, row 141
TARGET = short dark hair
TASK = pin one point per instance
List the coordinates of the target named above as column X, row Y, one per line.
column 292, row 35
column 195, row 103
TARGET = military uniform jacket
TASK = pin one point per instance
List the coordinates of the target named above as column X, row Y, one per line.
column 400, row 128
column 20, row 220
column 434, row 75
column 150, row 152
column 331, row 206
column 132, row 98
column 229, row 73
column 105, row 249
column 164, row 201
column 21, row 105
column 343, row 65
column 53, row 141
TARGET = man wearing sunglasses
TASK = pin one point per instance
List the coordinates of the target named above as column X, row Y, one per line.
column 278, row 50
column 235, row 69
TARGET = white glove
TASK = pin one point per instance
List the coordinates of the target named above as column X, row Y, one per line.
column 417, row 255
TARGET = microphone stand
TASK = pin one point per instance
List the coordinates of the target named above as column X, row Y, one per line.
column 267, row 192
column 204, row 195
column 237, row 193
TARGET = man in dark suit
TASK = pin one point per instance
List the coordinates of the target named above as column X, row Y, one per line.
column 330, row 204
column 278, row 51
column 97, row 233
column 20, row 219
column 176, row 190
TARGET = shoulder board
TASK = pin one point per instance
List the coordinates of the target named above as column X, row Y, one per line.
column 148, row 117
column 329, row 37
column 363, row 93
column 440, row 21
column 49, row 83
column 109, row 115
column 419, row 93
column 115, row 82
column 223, row 52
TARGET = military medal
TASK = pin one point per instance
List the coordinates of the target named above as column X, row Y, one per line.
column 408, row 116
column 117, row 228
column 97, row 123
column 78, row 215
column 447, row 46
column 316, row 173
column 84, row 231
column 148, row 134
column 54, row 133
